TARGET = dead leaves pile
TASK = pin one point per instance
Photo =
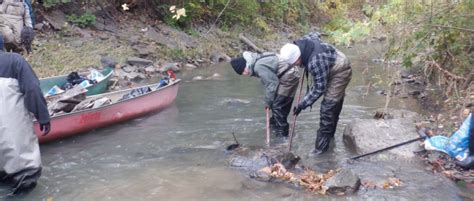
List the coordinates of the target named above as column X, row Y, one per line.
column 309, row 179
column 391, row 183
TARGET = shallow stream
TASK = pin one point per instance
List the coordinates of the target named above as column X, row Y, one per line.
column 178, row 154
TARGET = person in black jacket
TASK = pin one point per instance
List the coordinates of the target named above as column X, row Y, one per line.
column 331, row 72
column 20, row 96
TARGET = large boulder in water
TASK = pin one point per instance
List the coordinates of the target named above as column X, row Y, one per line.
column 367, row 135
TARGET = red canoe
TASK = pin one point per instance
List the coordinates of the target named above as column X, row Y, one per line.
column 73, row 123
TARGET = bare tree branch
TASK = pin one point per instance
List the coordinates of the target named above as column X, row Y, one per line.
column 217, row 19
column 450, row 27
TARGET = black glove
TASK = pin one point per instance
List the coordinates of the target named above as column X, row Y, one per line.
column 45, row 128
column 296, row 110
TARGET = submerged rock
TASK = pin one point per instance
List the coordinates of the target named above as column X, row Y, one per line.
column 276, row 164
column 198, row 78
column 254, row 162
column 234, row 102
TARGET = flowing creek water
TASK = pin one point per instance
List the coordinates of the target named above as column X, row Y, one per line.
column 178, row 154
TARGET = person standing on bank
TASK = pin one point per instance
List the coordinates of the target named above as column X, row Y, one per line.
column 279, row 79
column 331, row 72
column 20, row 95
column 16, row 25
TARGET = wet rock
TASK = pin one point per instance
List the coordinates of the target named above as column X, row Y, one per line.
column 218, row 57
column 170, row 66
column 345, row 181
column 260, row 176
column 108, row 61
column 56, row 18
column 190, row 66
column 366, row 135
column 135, row 61
column 198, row 78
column 255, row 161
column 234, row 102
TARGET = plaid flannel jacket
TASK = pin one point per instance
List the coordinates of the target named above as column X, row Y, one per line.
column 319, row 66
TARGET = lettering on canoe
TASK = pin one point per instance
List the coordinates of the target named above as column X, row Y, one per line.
column 89, row 117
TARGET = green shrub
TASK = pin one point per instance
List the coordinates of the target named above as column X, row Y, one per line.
column 53, row 3
column 85, row 20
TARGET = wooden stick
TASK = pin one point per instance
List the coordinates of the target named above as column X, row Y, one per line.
column 294, row 116
column 268, row 126
column 449, row 27
column 250, row 43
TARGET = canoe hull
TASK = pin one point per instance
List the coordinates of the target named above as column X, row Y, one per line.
column 83, row 121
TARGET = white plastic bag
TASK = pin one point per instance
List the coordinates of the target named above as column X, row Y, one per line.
column 96, row 75
column 54, row 91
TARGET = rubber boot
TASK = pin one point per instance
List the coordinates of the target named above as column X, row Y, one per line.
column 24, row 181
column 467, row 163
column 281, row 110
column 329, row 116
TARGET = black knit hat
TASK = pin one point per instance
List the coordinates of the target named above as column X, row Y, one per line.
column 238, row 64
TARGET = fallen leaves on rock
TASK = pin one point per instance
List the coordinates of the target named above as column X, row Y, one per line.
column 390, row 183
column 309, row 179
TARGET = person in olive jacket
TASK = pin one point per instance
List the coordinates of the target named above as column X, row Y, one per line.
column 280, row 81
